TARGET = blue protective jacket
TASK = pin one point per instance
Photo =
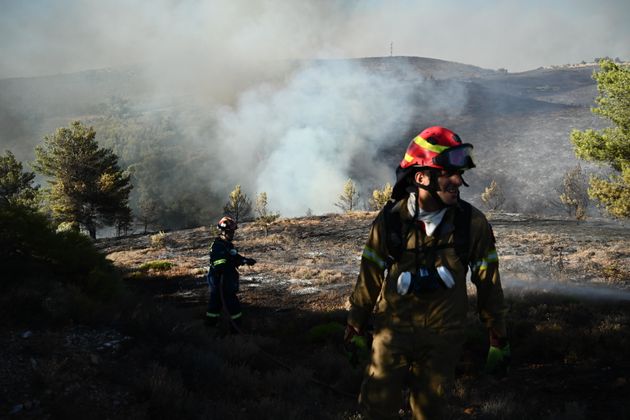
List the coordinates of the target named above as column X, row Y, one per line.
column 224, row 261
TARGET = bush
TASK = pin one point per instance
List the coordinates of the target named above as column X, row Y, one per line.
column 380, row 197
column 49, row 271
column 493, row 196
column 157, row 265
column 158, row 240
column 574, row 192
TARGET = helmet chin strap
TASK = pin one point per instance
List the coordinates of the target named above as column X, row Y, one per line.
column 433, row 187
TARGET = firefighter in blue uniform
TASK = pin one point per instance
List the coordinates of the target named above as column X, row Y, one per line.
column 223, row 276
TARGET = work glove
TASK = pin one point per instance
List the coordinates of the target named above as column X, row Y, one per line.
column 498, row 361
column 349, row 334
column 250, row 261
column 356, row 346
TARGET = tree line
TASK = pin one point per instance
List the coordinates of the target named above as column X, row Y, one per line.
column 87, row 188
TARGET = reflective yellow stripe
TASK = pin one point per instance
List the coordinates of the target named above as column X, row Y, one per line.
column 219, row 262
column 426, row 145
column 408, row 157
column 238, row 315
column 491, row 257
column 371, row 255
column 212, row 315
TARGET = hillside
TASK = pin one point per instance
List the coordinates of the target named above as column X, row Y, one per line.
column 567, row 285
column 518, row 122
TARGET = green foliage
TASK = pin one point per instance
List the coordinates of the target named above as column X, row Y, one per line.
column 157, row 265
column 574, row 192
column 16, row 185
column 29, row 241
column 148, row 210
column 349, row 198
column 493, row 196
column 611, row 145
column 613, row 193
column 87, row 186
column 239, row 207
column 380, row 197
column 170, row 172
column 329, row 331
column 44, row 272
column 169, row 193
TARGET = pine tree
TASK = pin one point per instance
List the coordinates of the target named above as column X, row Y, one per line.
column 264, row 217
column 148, row 209
column 349, row 198
column 239, row 207
column 611, row 145
column 16, row 185
column 380, row 197
column 87, row 188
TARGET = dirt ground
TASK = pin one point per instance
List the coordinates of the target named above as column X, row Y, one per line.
column 312, row 263
column 567, row 284
column 308, row 266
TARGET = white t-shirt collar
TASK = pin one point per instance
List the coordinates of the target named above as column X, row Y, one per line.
column 431, row 219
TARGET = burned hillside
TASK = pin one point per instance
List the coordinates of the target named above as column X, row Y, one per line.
column 567, row 285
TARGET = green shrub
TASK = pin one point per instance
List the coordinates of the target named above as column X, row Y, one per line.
column 158, row 265
column 325, row 332
column 51, row 273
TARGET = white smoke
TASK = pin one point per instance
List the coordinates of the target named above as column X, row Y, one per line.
column 519, row 287
column 302, row 141
column 301, row 137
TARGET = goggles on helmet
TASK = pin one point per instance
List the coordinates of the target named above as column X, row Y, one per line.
column 456, row 158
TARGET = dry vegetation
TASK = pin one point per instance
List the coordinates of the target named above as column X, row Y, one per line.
column 567, row 285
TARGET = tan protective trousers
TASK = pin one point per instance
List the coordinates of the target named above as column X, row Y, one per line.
column 421, row 360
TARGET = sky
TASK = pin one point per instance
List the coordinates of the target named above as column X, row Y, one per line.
column 42, row 37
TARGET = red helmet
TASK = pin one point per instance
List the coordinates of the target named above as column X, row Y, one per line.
column 435, row 147
column 227, row 223
column 440, row 148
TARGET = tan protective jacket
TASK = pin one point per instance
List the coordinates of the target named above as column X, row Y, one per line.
column 441, row 310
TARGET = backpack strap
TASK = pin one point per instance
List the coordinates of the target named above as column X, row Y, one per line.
column 462, row 231
column 396, row 231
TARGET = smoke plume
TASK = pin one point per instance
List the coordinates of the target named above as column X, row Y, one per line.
column 330, row 121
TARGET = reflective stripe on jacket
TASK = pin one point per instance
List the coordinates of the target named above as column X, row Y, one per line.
column 375, row 289
column 224, row 260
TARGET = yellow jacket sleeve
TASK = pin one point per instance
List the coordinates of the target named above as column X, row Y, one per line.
column 484, row 265
column 371, row 275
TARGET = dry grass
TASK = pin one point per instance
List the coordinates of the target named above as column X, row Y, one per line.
column 569, row 353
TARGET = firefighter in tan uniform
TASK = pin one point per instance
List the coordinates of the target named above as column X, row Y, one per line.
column 413, row 281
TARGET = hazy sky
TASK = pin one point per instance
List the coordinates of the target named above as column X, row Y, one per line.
column 40, row 37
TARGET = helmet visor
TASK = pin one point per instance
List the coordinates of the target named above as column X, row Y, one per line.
column 458, row 157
